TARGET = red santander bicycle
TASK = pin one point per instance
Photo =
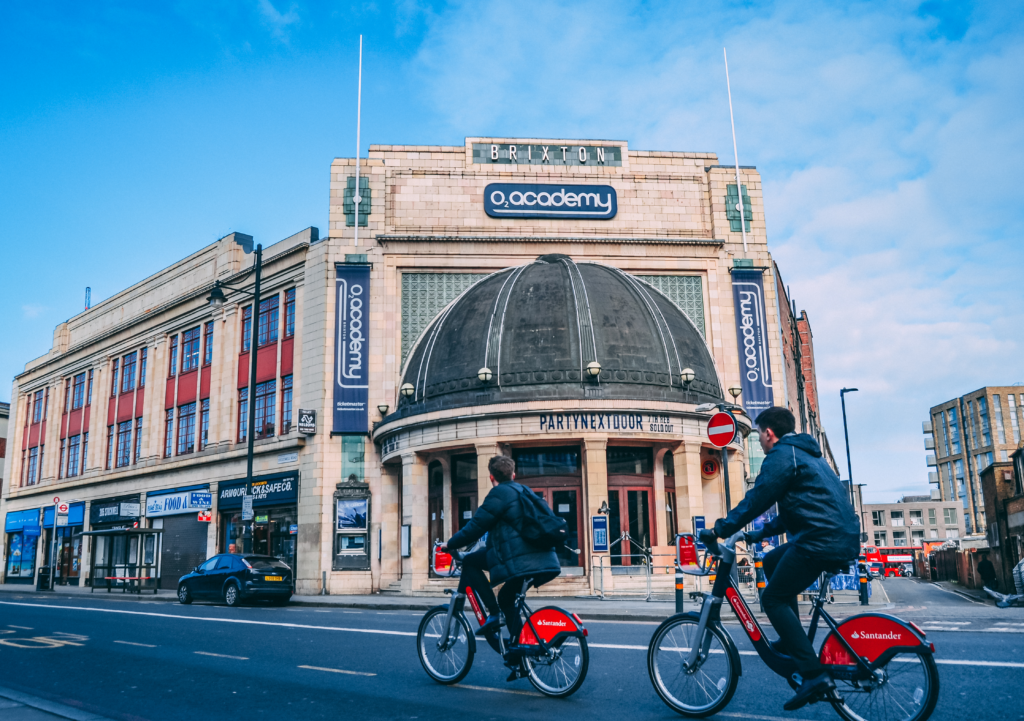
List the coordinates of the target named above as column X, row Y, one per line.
column 883, row 667
column 552, row 647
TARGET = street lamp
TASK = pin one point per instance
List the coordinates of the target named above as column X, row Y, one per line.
column 383, row 409
column 593, row 369
column 484, row 374
column 216, row 299
column 846, row 432
column 735, row 391
column 687, row 376
column 407, row 389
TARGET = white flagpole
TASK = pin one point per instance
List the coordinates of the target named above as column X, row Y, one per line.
column 735, row 154
column 359, row 112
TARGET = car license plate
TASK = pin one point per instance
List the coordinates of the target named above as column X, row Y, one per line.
column 273, row 578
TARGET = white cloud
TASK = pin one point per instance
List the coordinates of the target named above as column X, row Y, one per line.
column 279, row 23
column 32, row 310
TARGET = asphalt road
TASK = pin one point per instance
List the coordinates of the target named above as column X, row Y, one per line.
column 156, row 661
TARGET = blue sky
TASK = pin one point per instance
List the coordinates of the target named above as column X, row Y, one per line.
column 888, row 136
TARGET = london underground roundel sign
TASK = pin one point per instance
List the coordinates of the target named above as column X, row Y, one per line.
column 721, row 429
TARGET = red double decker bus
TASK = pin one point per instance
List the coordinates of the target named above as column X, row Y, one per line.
column 887, row 560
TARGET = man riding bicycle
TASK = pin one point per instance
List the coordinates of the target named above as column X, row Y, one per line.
column 510, row 558
column 815, row 511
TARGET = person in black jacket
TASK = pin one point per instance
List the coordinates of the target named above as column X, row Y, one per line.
column 823, row 530
column 510, row 557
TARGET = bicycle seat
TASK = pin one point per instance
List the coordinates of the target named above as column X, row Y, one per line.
column 837, row 570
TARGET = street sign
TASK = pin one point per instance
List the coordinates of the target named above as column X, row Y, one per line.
column 686, row 551
column 205, row 516
column 56, row 500
column 62, row 520
column 62, row 508
column 721, row 429
column 307, row 422
column 698, row 526
column 599, row 526
column 247, row 508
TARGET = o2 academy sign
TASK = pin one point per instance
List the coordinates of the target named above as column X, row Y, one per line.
column 535, row 200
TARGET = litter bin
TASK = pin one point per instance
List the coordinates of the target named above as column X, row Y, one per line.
column 43, row 583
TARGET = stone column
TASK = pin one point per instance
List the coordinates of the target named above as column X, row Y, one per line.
column 446, row 499
column 689, row 488
column 737, row 467
column 414, row 514
column 388, row 500
column 660, row 524
column 484, row 453
column 595, row 492
column 85, row 569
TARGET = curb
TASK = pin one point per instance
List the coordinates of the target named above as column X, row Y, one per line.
column 51, row 707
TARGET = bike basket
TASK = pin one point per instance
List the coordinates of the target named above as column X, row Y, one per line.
column 550, row 622
column 870, row 635
column 442, row 562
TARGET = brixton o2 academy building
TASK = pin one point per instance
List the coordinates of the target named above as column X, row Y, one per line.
column 568, row 303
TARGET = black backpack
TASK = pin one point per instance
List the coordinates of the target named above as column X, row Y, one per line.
column 540, row 526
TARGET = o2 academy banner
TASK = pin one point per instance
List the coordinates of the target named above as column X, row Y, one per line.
column 352, row 349
column 752, row 340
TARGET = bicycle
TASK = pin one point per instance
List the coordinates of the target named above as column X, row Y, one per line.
column 884, row 668
column 552, row 645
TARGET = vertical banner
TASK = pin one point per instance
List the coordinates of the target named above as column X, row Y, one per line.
column 352, row 349
column 752, row 341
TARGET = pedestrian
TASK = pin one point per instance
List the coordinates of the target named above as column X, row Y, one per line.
column 988, row 573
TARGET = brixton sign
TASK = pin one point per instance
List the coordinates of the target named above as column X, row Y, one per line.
column 534, row 200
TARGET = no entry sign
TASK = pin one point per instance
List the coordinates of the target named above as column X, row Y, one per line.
column 721, row 429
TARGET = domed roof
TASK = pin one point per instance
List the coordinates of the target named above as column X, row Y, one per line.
column 537, row 327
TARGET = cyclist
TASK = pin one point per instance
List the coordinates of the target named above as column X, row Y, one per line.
column 815, row 511
column 510, row 558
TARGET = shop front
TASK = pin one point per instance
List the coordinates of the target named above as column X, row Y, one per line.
column 68, row 550
column 260, row 517
column 22, row 538
column 112, row 554
column 183, row 515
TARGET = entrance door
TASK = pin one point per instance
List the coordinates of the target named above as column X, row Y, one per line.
column 565, row 502
column 435, row 503
column 629, row 511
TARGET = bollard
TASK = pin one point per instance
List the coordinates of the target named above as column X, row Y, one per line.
column 680, row 596
column 862, row 571
column 759, row 574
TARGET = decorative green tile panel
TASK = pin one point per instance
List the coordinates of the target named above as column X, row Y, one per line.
column 732, row 212
column 683, row 290
column 424, row 295
column 348, row 201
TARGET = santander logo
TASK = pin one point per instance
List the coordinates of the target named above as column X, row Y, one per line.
column 891, row 636
column 556, row 624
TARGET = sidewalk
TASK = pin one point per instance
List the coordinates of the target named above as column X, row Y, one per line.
column 18, row 706
column 588, row 608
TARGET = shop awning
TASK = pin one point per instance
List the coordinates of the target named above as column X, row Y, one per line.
column 121, row 532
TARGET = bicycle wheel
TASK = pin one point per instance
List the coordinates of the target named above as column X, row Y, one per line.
column 449, row 662
column 560, row 673
column 907, row 690
column 700, row 691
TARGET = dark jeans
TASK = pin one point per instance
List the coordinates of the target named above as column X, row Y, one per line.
column 507, row 600
column 473, row 565
column 790, row 571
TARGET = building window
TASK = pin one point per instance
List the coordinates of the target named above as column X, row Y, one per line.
column 85, row 450
column 67, row 395
column 186, row 428
column 169, row 433
column 88, row 392
column 33, row 466
column 208, row 343
column 899, row 538
column 348, row 201
column 246, row 329
column 63, row 451
column 124, row 444
column 1014, row 424
column 916, row 518
column 949, row 479
column 997, row 411
column 138, row 439
column 732, row 213
column 954, row 430
column 986, row 430
column 74, row 450
column 190, row 350
column 128, row 372
column 268, row 321
column 110, row 447
column 204, row 425
column 113, row 377
column 917, row 537
column 424, row 295
column 685, row 291
column 940, row 421
column 289, row 313
column 1003, row 456
column 143, row 355
column 933, row 533
column 286, row 404
column 931, row 516
column 880, row 538
column 266, row 399
column 172, row 369
column 949, row 516
column 37, row 407
column 243, row 415
column 897, row 517
column 78, row 392
column 952, row 533
column 878, row 518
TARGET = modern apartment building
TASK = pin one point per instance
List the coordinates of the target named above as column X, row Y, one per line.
column 912, row 521
column 964, row 436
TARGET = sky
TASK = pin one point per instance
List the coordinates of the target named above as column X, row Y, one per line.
column 887, row 136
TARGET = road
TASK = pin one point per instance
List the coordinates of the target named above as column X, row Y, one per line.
column 160, row 661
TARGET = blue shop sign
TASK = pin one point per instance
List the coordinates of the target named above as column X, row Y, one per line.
column 276, row 489
column 76, row 515
column 18, row 521
column 169, row 504
column 536, row 200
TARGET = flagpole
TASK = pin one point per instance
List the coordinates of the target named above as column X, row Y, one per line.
column 735, row 154
column 359, row 111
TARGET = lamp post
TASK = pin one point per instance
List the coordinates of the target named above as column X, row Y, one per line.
column 846, row 432
column 216, row 300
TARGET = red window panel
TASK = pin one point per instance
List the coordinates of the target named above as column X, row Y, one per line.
column 287, row 355
column 187, row 387
column 266, row 364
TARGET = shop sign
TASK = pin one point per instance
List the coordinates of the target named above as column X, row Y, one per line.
column 205, row 516
column 283, row 458
column 599, row 526
column 752, row 341
column 535, row 200
column 631, row 421
column 247, row 508
column 293, row 529
column 307, row 422
column 17, row 521
column 352, row 349
column 115, row 511
column 517, row 154
column 273, row 490
column 264, row 518
column 170, row 504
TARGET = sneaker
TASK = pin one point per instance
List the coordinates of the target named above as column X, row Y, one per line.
column 492, row 624
column 810, row 690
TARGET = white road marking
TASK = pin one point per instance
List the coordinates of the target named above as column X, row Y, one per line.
column 338, row 670
column 23, row 628
column 992, row 664
column 132, row 643
column 222, row 655
column 500, row 690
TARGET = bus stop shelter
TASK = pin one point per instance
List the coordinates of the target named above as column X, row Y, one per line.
column 125, row 558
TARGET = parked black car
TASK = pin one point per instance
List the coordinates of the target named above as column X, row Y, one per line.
column 233, row 578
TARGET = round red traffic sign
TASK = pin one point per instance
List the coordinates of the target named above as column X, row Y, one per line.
column 56, row 500
column 62, row 507
column 721, row 429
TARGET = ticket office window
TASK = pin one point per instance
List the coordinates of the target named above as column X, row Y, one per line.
column 69, row 553
column 630, row 503
column 464, row 491
column 351, row 541
column 554, row 474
